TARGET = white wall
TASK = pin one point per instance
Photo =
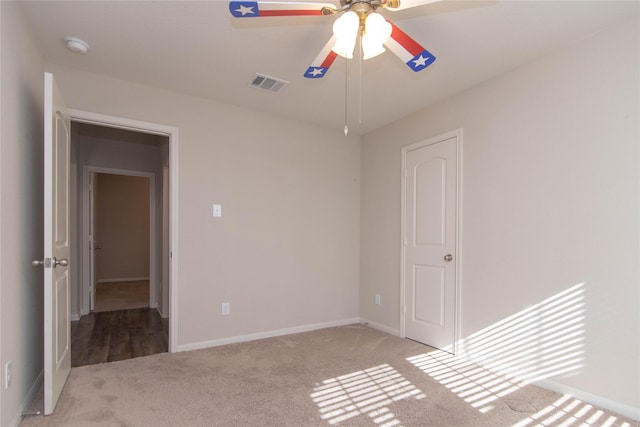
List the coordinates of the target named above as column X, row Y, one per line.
column 286, row 251
column 21, row 225
column 550, row 201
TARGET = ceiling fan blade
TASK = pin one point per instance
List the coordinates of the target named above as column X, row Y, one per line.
column 407, row 4
column 255, row 9
column 408, row 50
column 323, row 61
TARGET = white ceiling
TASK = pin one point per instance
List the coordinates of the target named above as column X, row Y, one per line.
column 196, row 47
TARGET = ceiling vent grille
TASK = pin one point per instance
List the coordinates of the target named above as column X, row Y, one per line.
column 268, row 83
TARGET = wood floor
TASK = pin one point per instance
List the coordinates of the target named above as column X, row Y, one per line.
column 118, row 335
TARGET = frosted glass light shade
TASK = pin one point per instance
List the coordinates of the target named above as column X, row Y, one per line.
column 346, row 29
column 376, row 31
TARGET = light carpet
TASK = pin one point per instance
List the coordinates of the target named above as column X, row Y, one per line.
column 351, row 376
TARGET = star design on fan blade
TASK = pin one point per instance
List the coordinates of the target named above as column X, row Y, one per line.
column 316, row 72
column 420, row 62
column 244, row 10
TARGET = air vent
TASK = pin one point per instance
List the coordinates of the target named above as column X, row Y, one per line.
column 268, row 83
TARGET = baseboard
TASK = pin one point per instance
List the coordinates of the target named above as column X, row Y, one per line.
column 602, row 402
column 74, row 317
column 267, row 334
column 161, row 313
column 380, row 327
column 123, row 279
column 28, row 399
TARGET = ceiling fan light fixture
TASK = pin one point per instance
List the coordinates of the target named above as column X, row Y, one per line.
column 377, row 32
column 345, row 29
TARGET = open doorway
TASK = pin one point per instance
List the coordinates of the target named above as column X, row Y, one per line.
column 121, row 229
column 122, row 297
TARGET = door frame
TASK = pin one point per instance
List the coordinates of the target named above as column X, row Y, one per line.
column 81, row 116
column 88, row 224
column 458, row 220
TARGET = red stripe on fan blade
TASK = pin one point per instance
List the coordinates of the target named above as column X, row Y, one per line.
column 329, row 59
column 407, row 42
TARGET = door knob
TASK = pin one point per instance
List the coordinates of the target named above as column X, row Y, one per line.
column 448, row 257
column 49, row 262
column 63, row 262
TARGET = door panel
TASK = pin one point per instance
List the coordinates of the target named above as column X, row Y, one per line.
column 429, row 191
column 430, row 235
column 62, row 318
column 428, row 295
column 57, row 326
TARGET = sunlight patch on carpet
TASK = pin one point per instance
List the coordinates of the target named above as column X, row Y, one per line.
column 568, row 411
column 368, row 392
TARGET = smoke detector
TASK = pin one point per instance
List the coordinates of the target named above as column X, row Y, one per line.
column 76, row 45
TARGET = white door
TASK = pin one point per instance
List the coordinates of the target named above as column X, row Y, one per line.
column 57, row 326
column 430, row 235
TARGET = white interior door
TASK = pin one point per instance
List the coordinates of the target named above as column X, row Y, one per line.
column 57, row 326
column 430, row 235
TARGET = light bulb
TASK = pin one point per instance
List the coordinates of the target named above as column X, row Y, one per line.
column 376, row 32
column 345, row 29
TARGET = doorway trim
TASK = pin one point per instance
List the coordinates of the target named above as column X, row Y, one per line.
column 458, row 220
column 88, row 219
column 171, row 132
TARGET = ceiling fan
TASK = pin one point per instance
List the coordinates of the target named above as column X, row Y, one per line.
column 358, row 18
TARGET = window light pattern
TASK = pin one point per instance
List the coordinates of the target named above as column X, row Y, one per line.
column 542, row 341
column 568, row 411
column 368, row 392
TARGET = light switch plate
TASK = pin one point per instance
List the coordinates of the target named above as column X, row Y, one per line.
column 217, row 210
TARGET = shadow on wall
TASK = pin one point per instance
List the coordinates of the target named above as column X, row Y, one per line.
column 539, row 342
column 542, row 341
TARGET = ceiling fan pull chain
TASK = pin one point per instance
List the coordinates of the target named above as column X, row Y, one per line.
column 360, row 83
column 346, row 79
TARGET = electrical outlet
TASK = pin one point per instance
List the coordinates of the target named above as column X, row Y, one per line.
column 226, row 309
column 8, row 368
column 378, row 299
